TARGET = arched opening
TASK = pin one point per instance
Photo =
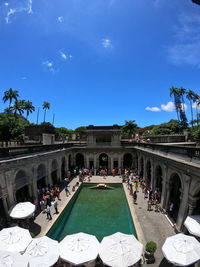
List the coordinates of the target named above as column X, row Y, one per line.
column 21, row 185
column 41, row 176
column 103, row 161
column 159, row 179
column 79, row 160
column 196, row 210
column 174, row 198
column 128, row 161
column 63, row 168
column 54, row 175
column 141, row 174
column 148, row 173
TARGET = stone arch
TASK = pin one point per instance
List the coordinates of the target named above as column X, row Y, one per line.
column 41, row 176
column 128, row 161
column 63, row 166
column 175, row 189
column 79, row 159
column 54, row 172
column 148, row 172
column 21, row 186
column 103, row 161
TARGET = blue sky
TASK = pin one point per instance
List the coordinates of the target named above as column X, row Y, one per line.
column 99, row 62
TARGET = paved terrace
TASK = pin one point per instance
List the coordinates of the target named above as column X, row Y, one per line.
column 150, row 225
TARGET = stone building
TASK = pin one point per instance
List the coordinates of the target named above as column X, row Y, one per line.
column 172, row 169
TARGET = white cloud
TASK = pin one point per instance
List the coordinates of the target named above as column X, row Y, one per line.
column 65, row 56
column 169, row 107
column 194, row 105
column 186, row 47
column 10, row 12
column 60, row 19
column 154, row 109
column 49, row 65
column 27, row 8
column 24, row 78
column 106, row 43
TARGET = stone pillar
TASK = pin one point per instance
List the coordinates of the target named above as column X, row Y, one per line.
column 59, row 171
column 139, row 165
column 5, row 205
column 119, row 160
column 164, row 187
column 34, row 180
column 152, row 174
column 87, row 161
column 111, row 162
column 183, row 209
column 48, row 178
column 10, row 183
column 144, row 169
column 167, row 195
column 66, row 163
column 95, row 161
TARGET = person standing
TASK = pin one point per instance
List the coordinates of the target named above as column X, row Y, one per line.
column 55, row 204
column 49, row 213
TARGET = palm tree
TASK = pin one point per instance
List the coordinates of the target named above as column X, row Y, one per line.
column 182, row 92
column 28, row 107
column 10, row 95
column 190, row 96
column 196, row 99
column 45, row 106
column 18, row 107
column 130, row 127
column 174, row 92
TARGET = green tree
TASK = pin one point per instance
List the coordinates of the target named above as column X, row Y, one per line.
column 18, row 107
column 45, row 106
column 129, row 128
column 9, row 95
column 190, row 96
column 174, row 92
column 28, row 107
column 12, row 127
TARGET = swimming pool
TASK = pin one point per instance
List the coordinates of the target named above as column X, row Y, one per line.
column 99, row 212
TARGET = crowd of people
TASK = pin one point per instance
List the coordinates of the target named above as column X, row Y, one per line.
column 134, row 181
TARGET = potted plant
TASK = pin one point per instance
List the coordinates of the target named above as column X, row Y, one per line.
column 149, row 252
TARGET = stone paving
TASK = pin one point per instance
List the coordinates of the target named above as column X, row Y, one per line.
column 150, row 225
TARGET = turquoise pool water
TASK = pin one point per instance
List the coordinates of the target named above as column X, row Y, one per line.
column 98, row 212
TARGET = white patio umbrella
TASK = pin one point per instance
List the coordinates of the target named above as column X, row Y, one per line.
column 12, row 259
column 181, row 249
column 79, row 248
column 14, row 239
column 192, row 223
column 120, row 250
column 22, row 210
column 42, row 251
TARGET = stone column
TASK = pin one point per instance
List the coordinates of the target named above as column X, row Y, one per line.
column 59, row 171
column 164, row 187
column 152, row 174
column 119, row 160
column 144, row 169
column 5, row 205
column 87, row 161
column 111, row 162
column 139, row 165
column 34, row 180
column 183, row 209
column 10, row 184
column 48, row 178
column 166, row 195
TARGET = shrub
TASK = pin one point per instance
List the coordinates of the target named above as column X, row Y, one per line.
column 151, row 247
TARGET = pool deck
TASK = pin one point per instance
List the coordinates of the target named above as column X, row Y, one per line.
column 150, row 225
